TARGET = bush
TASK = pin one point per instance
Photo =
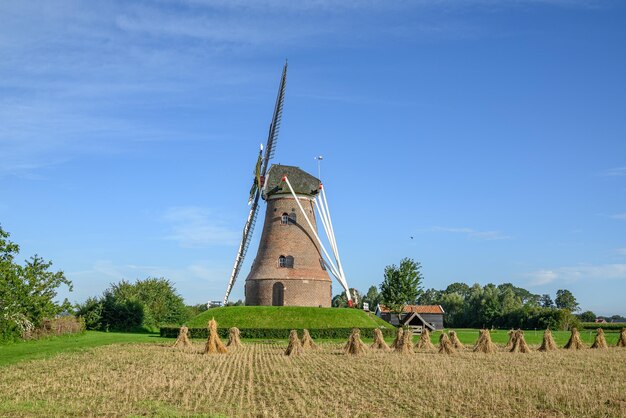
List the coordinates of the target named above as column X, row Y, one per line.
column 535, row 317
column 587, row 316
column 609, row 326
column 91, row 312
column 145, row 304
column 276, row 333
column 121, row 315
column 195, row 310
column 162, row 305
column 57, row 326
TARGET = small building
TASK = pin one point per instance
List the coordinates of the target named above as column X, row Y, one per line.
column 415, row 316
column 600, row 321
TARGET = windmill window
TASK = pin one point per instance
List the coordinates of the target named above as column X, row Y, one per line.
column 285, row 262
column 292, row 218
column 284, row 219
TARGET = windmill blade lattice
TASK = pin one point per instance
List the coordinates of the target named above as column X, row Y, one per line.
column 252, row 215
column 272, row 137
column 245, row 243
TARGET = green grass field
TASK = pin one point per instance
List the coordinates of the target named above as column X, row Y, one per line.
column 39, row 349
column 500, row 336
column 287, row 317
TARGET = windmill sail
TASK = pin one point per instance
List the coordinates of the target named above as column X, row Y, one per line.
column 256, row 183
column 245, row 243
column 255, row 192
column 272, row 136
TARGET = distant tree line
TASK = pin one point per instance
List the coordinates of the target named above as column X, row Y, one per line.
column 502, row 306
column 475, row 306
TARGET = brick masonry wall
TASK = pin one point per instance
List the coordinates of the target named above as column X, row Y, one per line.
column 296, row 292
column 307, row 283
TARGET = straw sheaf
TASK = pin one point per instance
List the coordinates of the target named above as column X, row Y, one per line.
column 355, row 346
column 294, row 348
column 379, row 341
column 548, row 343
column 445, row 346
column 484, row 343
column 424, row 342
column 183, row 338
column 574, row 342
column 214, row 344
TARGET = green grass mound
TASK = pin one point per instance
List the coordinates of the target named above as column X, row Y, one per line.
column 289, row 317
column 276, row 321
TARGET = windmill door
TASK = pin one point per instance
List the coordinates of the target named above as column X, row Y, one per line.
column 278, row 294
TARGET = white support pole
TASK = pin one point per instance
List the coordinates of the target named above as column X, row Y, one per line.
column 331, row 238
column 324, row 218
column 333, row 243
column 325, row 224
column 334, row 269
column 293, row 193
column 332, row 231
column 330, row 263
column 324, row 221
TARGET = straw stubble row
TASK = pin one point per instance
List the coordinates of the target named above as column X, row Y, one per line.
column 448, row 344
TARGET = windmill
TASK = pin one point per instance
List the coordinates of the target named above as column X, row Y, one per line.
column 292, row 263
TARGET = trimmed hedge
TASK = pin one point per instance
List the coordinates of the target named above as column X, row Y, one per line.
column 608, row 326
column 276, row 333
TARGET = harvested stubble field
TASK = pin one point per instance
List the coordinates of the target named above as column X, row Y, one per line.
column 258, row 380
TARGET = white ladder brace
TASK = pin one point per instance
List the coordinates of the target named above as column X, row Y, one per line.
column 333, row 269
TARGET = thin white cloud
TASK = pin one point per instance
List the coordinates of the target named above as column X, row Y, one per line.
column 620, row 216
column 542, row 277
column 614, row 172
column 203, row 28
column 578, row 273
column 66, row 68
column 621, row 251
column 192, row 226
column 472, row 233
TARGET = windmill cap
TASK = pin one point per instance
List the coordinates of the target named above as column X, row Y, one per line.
column 302, row 182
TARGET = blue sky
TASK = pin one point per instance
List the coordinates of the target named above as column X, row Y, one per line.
column 493, row 132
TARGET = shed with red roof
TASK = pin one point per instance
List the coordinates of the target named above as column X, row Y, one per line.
column 430, row 316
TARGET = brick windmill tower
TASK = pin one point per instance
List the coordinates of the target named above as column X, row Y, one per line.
column 292, row 263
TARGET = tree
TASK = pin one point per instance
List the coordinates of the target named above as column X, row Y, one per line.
column 587, row 316
column 452, row 304
column 28, row 292
column 372, row 297
column 126, row 306
column 490, row 308
column 458, row 287
column 341, row 300
column 402, row 285
column 430, row 297
column 545, row 301
column 524, row 295
column 566, row 300
column 162, row 305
